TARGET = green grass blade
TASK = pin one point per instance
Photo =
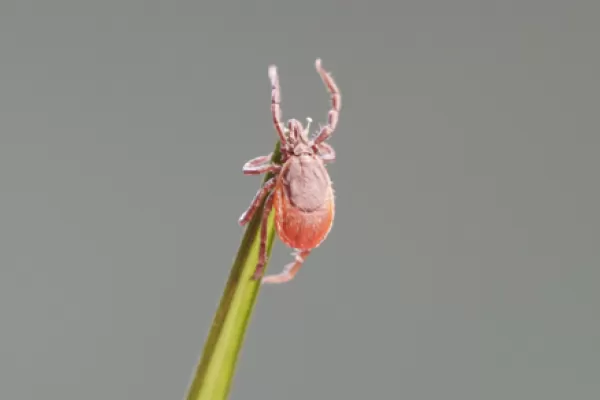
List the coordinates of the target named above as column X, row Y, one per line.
column 216, row 368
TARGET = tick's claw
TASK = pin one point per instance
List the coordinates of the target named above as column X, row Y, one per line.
column 257, row 276
column 258, row 272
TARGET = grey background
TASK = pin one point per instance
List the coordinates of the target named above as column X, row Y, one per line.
column 463, row 263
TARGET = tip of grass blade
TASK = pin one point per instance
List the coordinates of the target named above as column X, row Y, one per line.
column 216, row 368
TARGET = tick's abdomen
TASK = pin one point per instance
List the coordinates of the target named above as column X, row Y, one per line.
column 303, row 202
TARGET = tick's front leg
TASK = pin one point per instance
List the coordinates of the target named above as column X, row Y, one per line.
column 249, row 213
column 289, row 271
column 336, row 104
column 276, row 103
column 260, row 165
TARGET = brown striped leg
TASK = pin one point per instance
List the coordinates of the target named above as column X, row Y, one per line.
column 290, row 270
column 336, row 104
column 249, row 213
column 326, row 152
column 262, row 252
column 276, row 103
column 260, row 165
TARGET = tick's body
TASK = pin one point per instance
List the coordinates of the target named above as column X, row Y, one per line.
column 303, row 201
column 301, row 189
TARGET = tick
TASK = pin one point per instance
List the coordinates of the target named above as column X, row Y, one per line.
column 300, row 189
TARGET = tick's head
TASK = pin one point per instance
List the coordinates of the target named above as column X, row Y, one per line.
column 297, row 140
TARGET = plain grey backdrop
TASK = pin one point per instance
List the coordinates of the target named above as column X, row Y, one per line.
column 464, row 259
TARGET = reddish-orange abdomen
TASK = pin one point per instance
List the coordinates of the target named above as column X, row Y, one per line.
column 297, row 228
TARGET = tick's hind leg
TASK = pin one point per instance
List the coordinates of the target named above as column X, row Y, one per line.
column 290, row 270
column 262, row 252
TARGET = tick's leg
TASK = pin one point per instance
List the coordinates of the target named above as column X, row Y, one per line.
column 249, row 213
column 276, row 103
column 336, row 104
column 262, row 252
column 290, row 270
column 327, row 152
column 260, row 165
